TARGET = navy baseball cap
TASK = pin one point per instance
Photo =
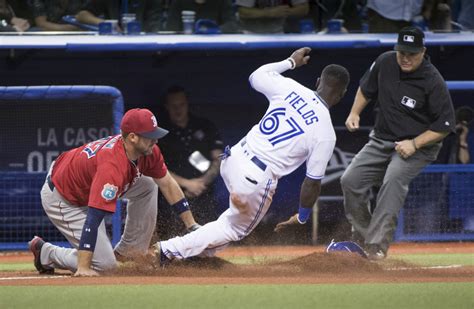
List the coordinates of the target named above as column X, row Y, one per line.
column 411, row 40
column 141, row 121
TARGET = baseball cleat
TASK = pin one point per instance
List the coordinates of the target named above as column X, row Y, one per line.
column 375, row 253
column 122, row 258
column 160, row 256
column 35, row 245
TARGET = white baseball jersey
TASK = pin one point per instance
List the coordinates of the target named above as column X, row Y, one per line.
column 297, row 126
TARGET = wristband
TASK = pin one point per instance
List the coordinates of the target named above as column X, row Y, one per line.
column 293, row 63
column 181, row 206
column 90, row 229
column 303, row 214
column 414, row 144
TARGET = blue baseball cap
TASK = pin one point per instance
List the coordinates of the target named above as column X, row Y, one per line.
column 346, row 246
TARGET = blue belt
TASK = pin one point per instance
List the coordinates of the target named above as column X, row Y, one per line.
column 50, row 182
column 254, row 159
column 259, row 163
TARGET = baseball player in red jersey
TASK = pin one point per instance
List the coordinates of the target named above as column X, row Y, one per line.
column 83, row 186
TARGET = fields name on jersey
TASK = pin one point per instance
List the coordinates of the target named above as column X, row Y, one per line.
column 70, row 137
column 302, row 107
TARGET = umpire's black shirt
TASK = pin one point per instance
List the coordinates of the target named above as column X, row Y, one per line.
column 408, row 103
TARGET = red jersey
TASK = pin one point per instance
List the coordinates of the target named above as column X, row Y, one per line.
column 98, row 173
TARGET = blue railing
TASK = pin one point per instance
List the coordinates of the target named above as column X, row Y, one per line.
column 22, row 215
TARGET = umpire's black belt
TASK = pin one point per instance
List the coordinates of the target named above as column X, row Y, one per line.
column 50, row 182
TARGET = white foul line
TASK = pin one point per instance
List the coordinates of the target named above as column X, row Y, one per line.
column 425, row 267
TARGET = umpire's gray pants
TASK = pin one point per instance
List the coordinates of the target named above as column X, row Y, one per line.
column 378, row 164
column 69, row 219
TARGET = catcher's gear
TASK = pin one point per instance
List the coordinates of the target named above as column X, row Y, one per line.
column 346, row 246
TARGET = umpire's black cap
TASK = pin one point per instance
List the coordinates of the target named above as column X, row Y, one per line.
column 411, row 40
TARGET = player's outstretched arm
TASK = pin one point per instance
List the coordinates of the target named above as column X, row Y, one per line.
column 310, row 190
column 267, row 79
column 175, row 197
column 88, row 241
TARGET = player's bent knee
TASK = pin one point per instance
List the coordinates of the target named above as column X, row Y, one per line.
column 346, row 180
column 238, row 202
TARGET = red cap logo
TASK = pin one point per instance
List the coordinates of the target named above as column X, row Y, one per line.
column 141, row 121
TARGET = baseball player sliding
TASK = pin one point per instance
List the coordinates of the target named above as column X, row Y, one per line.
column 296, row 128
column 83, row 185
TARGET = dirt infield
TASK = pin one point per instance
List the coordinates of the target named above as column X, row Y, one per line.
column 309, row 265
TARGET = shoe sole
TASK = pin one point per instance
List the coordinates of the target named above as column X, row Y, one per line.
column 37, row 257
column 160, row 257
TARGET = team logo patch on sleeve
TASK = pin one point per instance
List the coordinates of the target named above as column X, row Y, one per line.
column 109, row 192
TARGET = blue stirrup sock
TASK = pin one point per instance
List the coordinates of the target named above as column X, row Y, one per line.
column 303, row 214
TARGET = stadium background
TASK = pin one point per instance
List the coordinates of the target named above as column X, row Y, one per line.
column 217, row 82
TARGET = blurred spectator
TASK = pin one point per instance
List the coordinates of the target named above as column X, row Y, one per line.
column 437, row 14
column 192, row 149
column 349, row 11
column 9, row 20
column 455, row 148
column 268, row 16
column 386, row 16
column 163, row 9
column 147, row 12
column 48, row 14
column 220, row 11
column 463, row 13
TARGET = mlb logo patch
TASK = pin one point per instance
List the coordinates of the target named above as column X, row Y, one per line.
column 409, row 102
column 408, row 38
column 109, row 192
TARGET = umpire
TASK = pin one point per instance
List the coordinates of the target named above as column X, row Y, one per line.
column 415, row 113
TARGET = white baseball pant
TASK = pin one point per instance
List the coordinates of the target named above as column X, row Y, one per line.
column 69, row 219
column 251, row 185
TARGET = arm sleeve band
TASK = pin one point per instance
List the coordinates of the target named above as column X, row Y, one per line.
column 181, row 206
column 91, row 226
column 303, row 214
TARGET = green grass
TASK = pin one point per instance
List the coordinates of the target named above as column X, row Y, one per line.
column 421, row 295
column 465, row 259
column 17, row 266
